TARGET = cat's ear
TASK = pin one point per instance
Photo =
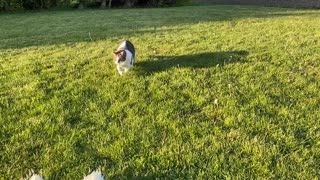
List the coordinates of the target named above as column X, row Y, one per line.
column 114, row 56
column 121, row 53
column 117, row 52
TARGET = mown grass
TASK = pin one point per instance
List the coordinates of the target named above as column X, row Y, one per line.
column 226, row 92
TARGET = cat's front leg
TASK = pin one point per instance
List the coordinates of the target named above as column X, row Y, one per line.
column 119, row 70
column 126, row 69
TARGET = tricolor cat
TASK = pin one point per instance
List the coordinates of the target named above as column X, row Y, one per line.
column 124, row 57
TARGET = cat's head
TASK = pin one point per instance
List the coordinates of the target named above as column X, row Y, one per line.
column 119, row 56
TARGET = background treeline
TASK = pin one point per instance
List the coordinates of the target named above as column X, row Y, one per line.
column 16, row 5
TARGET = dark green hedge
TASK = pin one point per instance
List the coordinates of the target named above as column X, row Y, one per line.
column 14, row 5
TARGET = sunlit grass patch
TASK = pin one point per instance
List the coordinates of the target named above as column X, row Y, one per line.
column 216, row 92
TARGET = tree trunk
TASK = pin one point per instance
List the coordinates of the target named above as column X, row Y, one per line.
column 129, row 3
column 81, row 5
column 110, row 3
column 103, row 4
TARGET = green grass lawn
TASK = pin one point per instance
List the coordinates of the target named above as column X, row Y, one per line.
column 217, row 92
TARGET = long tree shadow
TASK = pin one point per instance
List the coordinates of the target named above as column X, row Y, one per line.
column 202, row 60
column 62, row 27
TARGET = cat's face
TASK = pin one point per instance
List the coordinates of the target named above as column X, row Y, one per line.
column 119, row 56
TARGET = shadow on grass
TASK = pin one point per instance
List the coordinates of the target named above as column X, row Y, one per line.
column 62, row 27
column 202, row 60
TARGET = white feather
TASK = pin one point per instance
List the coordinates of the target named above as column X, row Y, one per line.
column 36, row 177
column 95, row 175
